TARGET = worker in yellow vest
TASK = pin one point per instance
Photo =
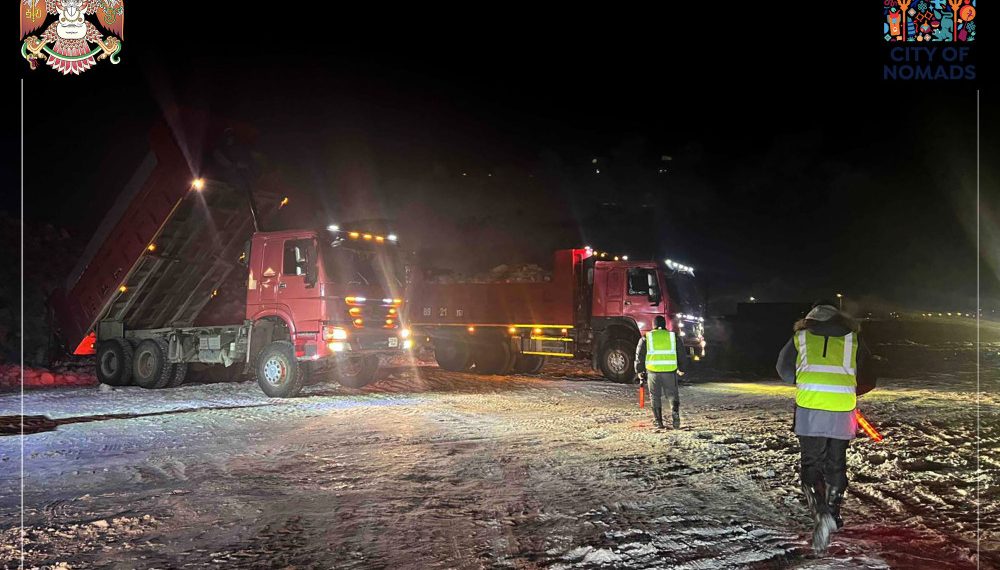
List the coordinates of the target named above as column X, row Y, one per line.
column 828, row 364
column 658, row 360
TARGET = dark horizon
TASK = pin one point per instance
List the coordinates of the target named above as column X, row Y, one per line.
column 787, row 181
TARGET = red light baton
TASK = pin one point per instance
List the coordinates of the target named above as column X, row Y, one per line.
column 642, row 396
column 868, row 428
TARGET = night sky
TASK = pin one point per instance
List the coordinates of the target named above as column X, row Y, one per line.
column 795, row 171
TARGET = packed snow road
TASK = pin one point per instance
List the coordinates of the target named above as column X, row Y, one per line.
column 430, row 469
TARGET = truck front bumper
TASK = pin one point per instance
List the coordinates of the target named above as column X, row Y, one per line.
column 311, row 347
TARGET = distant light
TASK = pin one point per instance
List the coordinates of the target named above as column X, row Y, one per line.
column 151, row 247
column 465, row 174
column 284, row 202
column 624, row 258
column 392, row 237
column 840, row 295
column 354, row 235
column 594, row 161
column 367, row 236
column 598, row 171
column 215, row 292
column 198, row 183
column 752, row 299
column 333, row 228
column 472, row 329
column 537, row 331
column 616, row 258
column 123, row 288
column 512, row 330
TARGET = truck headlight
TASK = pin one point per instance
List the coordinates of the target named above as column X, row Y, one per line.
column 332, row 333
column 404, row 333
column 407, row 344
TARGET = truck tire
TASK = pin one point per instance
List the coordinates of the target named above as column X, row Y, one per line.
column 357, row 372
column 493, row 357
column 114, row 362
column 180, row 372
column 452, row 355
column 150, row 368
column 279, row 375
column 617, row 360
column 529, row 363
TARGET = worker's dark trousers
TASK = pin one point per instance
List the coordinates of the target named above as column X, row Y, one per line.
column 824, row 459
column 664, row 384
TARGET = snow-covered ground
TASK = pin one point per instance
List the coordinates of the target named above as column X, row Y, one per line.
column 430, row 469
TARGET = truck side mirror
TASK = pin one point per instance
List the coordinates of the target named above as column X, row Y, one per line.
column 312, row 267
column 244, row 258
column 654, row 288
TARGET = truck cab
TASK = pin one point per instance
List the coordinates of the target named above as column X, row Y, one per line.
column 338, row 294
column 625, row 299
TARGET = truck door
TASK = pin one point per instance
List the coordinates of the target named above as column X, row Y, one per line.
column 614, row 292
column 270, row 268
column 296, row 285
column 644, row 298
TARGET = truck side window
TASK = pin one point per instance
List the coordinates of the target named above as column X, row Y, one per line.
column 296, row 259
column 638, row 281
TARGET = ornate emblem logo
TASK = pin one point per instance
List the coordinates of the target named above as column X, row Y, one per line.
column 68, row 43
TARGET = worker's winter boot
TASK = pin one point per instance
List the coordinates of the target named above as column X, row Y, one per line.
column 825, row 523
column 835, row 496
column 658, row 418
column 677, row 420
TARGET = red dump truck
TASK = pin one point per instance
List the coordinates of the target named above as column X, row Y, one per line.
column 595, row 306
column 318, row 300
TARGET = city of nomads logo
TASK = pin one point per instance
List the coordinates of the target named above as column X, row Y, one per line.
column 66, row 44
column 929, row 20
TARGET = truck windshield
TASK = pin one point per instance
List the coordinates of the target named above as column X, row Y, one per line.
column 377, row 266
column 684, row 291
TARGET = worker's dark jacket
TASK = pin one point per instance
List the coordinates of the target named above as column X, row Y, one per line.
column 640, row 355
column 821, row 423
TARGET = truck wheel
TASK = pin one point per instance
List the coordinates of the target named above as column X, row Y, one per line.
column 529, row 363
column 150, row 368
column 114, row 362
column 452, row 355
column 180, row 372
column 279, row 375
column 357, row 372
column 617, row 360
column 493, row 357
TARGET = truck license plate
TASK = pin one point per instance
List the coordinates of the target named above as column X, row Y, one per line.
column 393, row 342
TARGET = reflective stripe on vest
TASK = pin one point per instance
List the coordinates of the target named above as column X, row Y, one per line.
column 825, row 372
column 661, row 351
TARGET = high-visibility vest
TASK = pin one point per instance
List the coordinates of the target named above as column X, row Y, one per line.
column 661, row 351
column 826, row 371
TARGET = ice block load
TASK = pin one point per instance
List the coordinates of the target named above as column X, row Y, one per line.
column 594, row 306
column 191, row 218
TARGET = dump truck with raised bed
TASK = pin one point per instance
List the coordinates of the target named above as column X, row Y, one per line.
column 318, row 301
column 594, row 306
